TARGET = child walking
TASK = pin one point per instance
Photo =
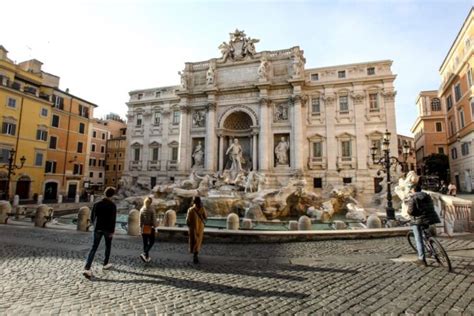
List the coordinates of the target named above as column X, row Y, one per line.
column 147, row 225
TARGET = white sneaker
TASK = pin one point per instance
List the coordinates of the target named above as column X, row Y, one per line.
column 108, row 266
column 143, row 257
column 87, row 274
column 148, row 259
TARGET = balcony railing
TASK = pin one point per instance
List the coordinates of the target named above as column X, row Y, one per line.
column 172, row 165
column 317, row 163
column 154, row 165
column 135, row 165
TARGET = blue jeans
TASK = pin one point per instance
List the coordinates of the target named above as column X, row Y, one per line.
column 108, row 245
column 417, row 232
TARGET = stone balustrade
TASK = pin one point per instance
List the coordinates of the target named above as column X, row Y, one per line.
column 455, row 213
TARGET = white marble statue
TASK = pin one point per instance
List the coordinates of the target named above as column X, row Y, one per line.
column 198, row 155
column 199, row 119
column 263, row 69
column 249, row 46
column 210, row 75
column 226, row 51
column 184, row 79
column 235, row 151
column 281, row 152
column 297, row 66
column 403, row 190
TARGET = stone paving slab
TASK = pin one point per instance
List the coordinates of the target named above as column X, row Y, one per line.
column 40, row 273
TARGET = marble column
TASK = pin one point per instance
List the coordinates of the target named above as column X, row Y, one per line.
column 264, row 135
column 254, row 150
column 297, row 133
column 184, row 163
column 211, row 137
column 221, row 152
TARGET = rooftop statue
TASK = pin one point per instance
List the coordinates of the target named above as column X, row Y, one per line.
column 239, row 46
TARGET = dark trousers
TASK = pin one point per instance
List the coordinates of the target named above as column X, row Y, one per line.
column 148, row 241
column 108, row 245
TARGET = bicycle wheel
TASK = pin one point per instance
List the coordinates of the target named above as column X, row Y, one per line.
column 411, row 240
column 440, row 254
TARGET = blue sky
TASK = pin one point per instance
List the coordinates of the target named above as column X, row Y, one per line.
column 104, row 49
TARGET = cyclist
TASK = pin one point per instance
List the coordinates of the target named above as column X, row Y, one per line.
column 421, row 208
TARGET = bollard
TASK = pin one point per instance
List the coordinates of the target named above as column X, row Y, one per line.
column 338, row 225
column 292, row 225
column 40, row 200
column 170, row 218
column 304, row 223
column 133, row 223
column 91, row 198
column 83, row 219
column 16, row 200
column 43, row 214
column 233, row 221
column 373, row 221
column 20, row 212
column 5, row 209
column 60, row 199
column 247, row 223
column 76, row 199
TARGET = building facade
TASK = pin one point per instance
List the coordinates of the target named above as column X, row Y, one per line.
column 115, row 158
column 429, row 128
column 317, row 122
column 456, row 92
column 25, row 113
column 410, row 160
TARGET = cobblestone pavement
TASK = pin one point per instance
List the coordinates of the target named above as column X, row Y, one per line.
column 41, row 273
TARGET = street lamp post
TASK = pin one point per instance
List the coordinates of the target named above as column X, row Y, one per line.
column 387, row 162
column 11, row 167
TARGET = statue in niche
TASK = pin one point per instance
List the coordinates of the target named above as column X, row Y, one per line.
column 297, row 66
column 210, row 75
column 263, row 69
column 281, row 112
column 184, row 79
column 199, row 119
column 281, row 152
column 235, row 151
column 198, row 155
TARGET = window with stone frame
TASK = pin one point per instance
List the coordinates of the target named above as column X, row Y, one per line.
column 346, row 149
column 139, row 120
column 80, row 146
column 343, row 104
column 157, row 118
column 176, row 116
column 317, row 150
column 469, row 77
column 370, row 71
column 11, row 103
column 440, row 150
column 452, row 127
column 373, row 102
column 449, row 102
column 136, row 154
column 454, row 153
column 315, row 77
column 377, row 143
column 315, row 106
column 41, row 134
column 155, row 153
column 50, row 167
column 174, row 154
column 465, row 149
column 9, row 128
column 341, row 74
column 457, row 92
column 4, row 155
column 53, row 142
column 462, row 123
column 435, row 105
column 439, row 126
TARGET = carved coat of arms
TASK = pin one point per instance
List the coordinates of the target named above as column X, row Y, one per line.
column 239, row 46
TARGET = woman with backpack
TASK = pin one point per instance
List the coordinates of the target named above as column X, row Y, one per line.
column 195, row 219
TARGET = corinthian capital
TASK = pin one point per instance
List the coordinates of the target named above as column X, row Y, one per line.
column 357, row 97
column 185, row 108
column 265, row 101
column 389, row 95
column 328, row 98
column 211, row 106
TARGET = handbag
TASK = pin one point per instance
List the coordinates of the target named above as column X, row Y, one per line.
column 147, row 229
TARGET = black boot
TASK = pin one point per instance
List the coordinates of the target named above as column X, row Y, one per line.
column 195, row 258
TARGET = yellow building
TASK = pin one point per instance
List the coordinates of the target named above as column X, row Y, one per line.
column 25, row 115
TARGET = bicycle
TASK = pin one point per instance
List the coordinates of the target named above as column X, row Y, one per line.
column 433, row 248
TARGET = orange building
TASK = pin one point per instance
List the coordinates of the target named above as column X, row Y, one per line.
column 429, row 128
column 410, row 159
column 115, row 159
column 67, row 149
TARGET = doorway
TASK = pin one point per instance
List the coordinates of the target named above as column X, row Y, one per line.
column 458, row 183
column 71, row 191
column 23, row 187
column 468, row 181
column 50, row 191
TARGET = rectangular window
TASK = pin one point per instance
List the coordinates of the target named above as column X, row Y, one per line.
column 41, row 135
column 157, row 94
column 55, row 121
column 347, row 180
column 39, row 159
column 139, row 120
column 317, row 183
column 449, row 102
column 343, row 104
column 91, row 174
column 136, row 154
column 53, row 140
column 314, row 77
column 94, row 134
column 317, row 150
column 58, row 102
column 100, row 175
column 465, row 149
column 44, row 112
column 440, row 150
column 452, row 127
column 341, row 74
column 4, row 155
column 157, row 118
column 93, row 147
column 454, row 153
column 94, row 162
column 82, row 128
column 174, row 153
column 154, row 154
column 439, row 127
column 457, row 92
column 9, row 128
column 102, row 149
column 103, row 135
column 90, row 162
column 50, row 167
column 79, row 147
column 469, row 77
column 140, row 96
column 176, row 115
column 315, row 106
column 461, row 118
column 113, row 167
column 11, row 103
column 107, row 167
column 373, row 102
column 370, row 71
column 119, row 167
column 346, row 149
column 77, row 169
column 83, row 111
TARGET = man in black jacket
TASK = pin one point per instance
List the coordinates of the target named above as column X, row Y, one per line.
column 104, row 214
column 421, row 208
